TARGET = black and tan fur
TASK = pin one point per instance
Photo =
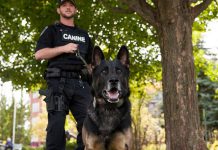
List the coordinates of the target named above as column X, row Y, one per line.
column 108, row 123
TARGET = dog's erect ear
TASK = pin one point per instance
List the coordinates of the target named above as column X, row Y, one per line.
column 97, row 56
column 123, row 55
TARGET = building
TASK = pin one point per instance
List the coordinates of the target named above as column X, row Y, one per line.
column 38, row 119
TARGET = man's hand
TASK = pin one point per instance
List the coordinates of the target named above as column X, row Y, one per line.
column 70, row 48
column 48, row 53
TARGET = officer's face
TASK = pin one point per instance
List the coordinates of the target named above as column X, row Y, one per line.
column 67, row 10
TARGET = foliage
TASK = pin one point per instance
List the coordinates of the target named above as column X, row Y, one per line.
column 22, row 21
column 70, row 146
column 6, row 119
column 146, row 128
column 106, row 29
column 214, row 145
column 26, row 19
column 32, row 148
column 208, row 102
column 207, row 85
column 6, row 112
column 22, row 116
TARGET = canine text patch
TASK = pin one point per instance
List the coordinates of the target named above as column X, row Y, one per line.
column 75, row 38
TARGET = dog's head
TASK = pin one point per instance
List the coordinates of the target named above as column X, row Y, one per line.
column 110, row 78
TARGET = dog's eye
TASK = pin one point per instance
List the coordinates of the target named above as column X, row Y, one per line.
column 118, row 71
column 104, row 72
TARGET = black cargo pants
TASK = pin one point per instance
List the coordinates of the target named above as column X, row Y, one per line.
column 74, row 95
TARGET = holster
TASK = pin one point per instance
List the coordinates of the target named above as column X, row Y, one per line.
column 56, row 100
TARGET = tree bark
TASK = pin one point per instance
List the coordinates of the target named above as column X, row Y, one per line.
column 173, row 21
column 182, row 124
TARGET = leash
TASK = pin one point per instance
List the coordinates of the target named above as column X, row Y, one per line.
column 83, row 60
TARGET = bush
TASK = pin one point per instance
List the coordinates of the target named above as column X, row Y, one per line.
column 32, row 148
column 70, row 146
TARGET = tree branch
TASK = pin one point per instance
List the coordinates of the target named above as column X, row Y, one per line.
column 116, row 9
column 155, row 2
column 143, row 9
column 192, row 1
column 121, row 10
column 200, row 8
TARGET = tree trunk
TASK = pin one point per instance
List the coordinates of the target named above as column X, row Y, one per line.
column 173, row 21
column 181, row 113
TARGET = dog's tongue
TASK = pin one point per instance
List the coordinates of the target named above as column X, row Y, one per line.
column 113, row 95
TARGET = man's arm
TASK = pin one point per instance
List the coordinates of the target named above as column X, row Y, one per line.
column 48, row 53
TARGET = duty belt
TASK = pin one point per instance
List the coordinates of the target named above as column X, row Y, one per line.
column 70, row 75
column 56, row 72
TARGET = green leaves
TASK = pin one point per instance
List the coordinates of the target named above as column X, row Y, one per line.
column 109, row 23
column 6, row 119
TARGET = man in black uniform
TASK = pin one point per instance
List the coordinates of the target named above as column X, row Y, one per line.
column 65, row 46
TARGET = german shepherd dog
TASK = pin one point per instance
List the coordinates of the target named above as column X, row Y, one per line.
column 108, row 123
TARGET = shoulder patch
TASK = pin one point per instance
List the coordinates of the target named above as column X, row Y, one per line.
column 44, row 30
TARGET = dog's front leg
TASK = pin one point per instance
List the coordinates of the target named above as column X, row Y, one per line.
column 92, row 141
column 121, row 140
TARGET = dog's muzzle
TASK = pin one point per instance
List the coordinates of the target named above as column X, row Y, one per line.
column 113, row 91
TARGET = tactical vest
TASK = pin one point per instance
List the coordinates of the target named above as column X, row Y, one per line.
column 63, row 35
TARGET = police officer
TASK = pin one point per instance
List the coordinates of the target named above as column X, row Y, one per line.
column 67, row 48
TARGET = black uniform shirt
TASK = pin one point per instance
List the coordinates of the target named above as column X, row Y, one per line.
column 59, row 35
